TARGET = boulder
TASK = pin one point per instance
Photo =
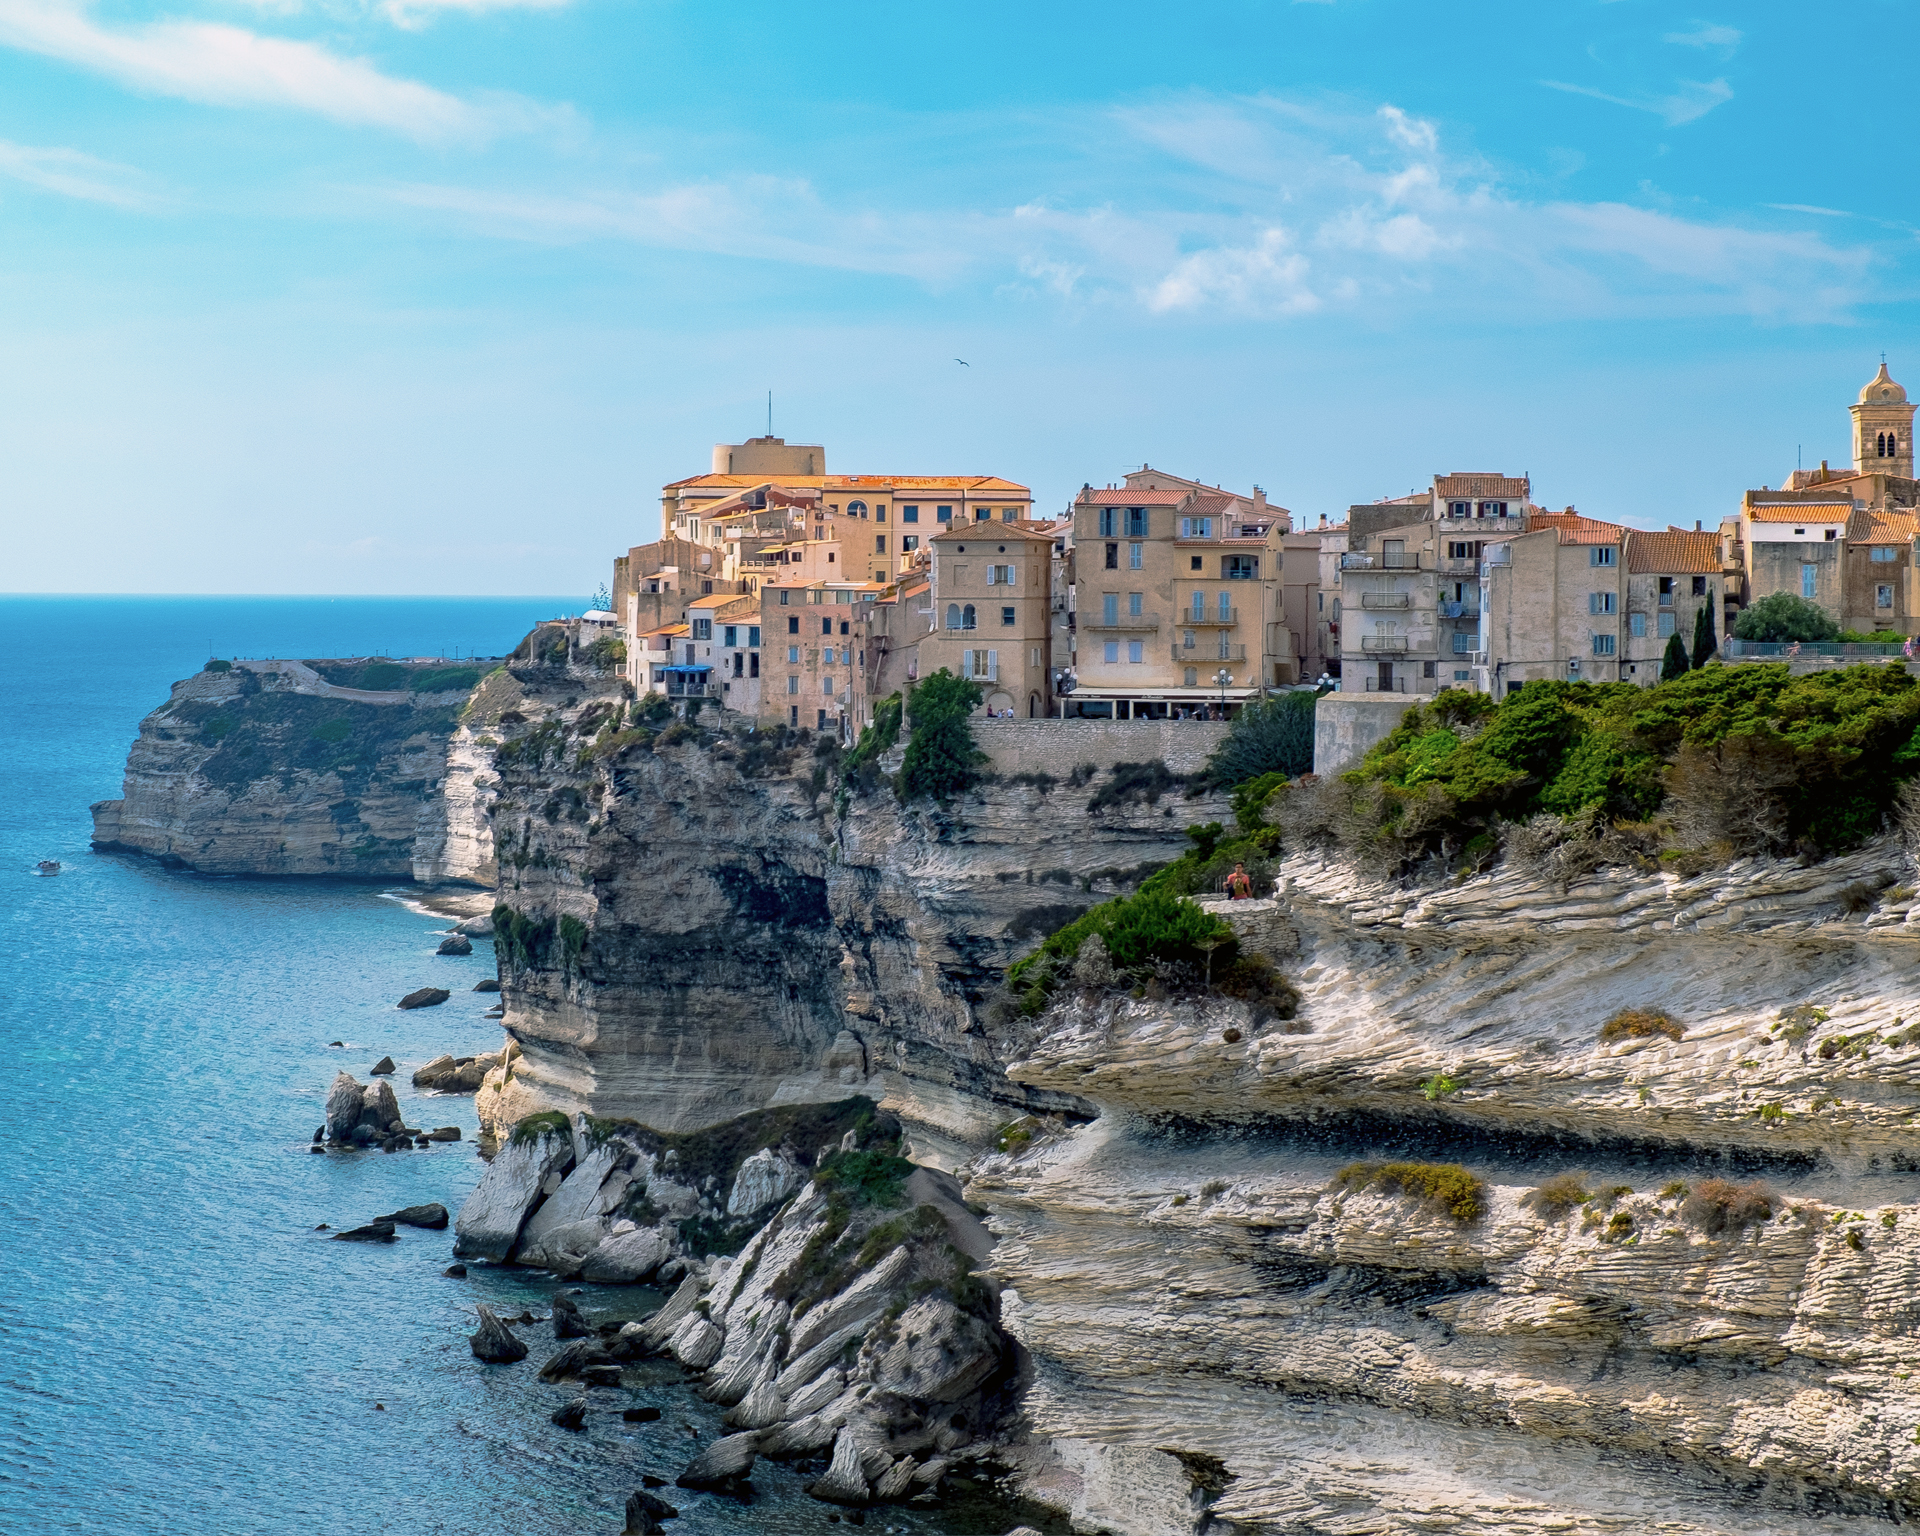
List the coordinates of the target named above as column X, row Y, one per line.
column 844, row 1482
column 644, row 1514
column 632, row 1343
column 939, row 1353
column 697, row 1342
column 433, row 1217
column 721, row 1464
column 343, row 1106
column 455, row 944
column 316, row 1147
column 439, row 1067
column 372, row 1232
column 494, row 1342
column 640, row 1416
column 480, row 927
column 571, row 1415
column 897, row 1481
column 444, row 1133
column 379, row 1109
column 762, row 1408
column 381, row 1068
column 455, row 1271
column 424, row 997
column 764, row 1179
column 487, row 984
column 600, row 1375
column 495, row 1214
column 574, row 1358
column 567, row 1321
column 629, row 1259
column 455, row 1074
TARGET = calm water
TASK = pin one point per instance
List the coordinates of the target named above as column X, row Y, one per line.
column 182, row 1351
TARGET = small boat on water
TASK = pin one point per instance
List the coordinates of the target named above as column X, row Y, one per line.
column 48, row 866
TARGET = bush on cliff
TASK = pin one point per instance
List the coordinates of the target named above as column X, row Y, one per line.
column 1271, row 735
column 860, row 768
column 941, row 760
column 1153, row 935
column 1781, row 618
column 1445, row 1187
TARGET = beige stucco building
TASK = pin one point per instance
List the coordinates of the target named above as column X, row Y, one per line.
column 991, row 618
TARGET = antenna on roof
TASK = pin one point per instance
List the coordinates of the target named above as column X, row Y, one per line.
column 769, row 413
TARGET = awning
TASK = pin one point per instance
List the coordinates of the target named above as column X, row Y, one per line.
column 686, row 669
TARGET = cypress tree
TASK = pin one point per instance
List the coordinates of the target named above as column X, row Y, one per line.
column 1674, row 664
column 1704, row 644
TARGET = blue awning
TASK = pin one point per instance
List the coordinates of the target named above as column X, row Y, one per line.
column 686, row 669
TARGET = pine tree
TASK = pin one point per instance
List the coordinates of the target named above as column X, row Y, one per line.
column 1674, row 664
column 1704, row 645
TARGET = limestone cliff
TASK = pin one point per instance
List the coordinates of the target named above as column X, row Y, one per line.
column 1626, row 1334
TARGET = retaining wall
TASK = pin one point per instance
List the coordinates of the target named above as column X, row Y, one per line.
column 1346, row 726
column 1060, row 746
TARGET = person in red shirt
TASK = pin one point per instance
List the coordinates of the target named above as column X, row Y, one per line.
column 1239, row 885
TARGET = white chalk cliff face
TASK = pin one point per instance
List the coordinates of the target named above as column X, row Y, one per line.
column 1221, row 1330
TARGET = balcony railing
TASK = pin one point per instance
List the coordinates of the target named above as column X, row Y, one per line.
column 1460, row 610
column 1385, row 561
column 1205, row 655
column 1209, row 618
column 1125, row 621
column 1460, row 565
column 1384, row 645
column 1386, row 599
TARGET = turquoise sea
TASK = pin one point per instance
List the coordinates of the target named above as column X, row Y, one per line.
column 180, row 1349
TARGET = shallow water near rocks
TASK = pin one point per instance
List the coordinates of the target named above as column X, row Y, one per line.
column 182, row 1349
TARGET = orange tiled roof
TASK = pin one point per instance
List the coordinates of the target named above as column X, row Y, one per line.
column 1673, row 553
column 1019, row 530
column 1883, row 528
column 1570, row 522
column 1800, row 512
column 1472, row 483
column 1130, row 496
column 869, row 483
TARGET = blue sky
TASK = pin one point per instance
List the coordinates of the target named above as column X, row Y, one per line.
column 432, row 295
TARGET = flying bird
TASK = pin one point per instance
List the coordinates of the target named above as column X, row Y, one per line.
column 963, row 362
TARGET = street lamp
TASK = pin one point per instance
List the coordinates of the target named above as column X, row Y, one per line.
column 1223, row 679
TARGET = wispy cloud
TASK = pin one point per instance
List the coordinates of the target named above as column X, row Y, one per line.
column 230, row 66
column 1720, row 40
column 73, row 174
column 415, row 14
column 1693, row 100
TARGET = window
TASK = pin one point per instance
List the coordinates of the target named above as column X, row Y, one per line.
column 1465, row 549
column 793, row 653
column 1601, row 554
column 1109, row 522
column 1883, row 595
column 943, row 514
column 1493, row 509
column 1700, row 588
column 793, row 621
column 1665, row 628
column 1110, row 608
column 1460, row 676
column 1134, row 553
column 1599, row 602
column 1008, row 514
column 739, row 664
column 823, row 719
column 1241, row 567
column 1194, row 563
column 982, row 514
column 793, row 684
column 1883, row 554
column 826, row 685
column 879, row 514
column 753, row 663
column 1186, row 641
column 1112, row 653
column 909, row 542
column 703, row 629
column 1832, row 534
column 909, row 514
column 1134, row 600
column 1638, row 624
column 1427, row 668
column 856, row 509
column 729, row 635
column 1809, row 574
column 784, row 595
column 1196, row 527
column 826, row 626
column 1666, row 591
column 1113, row 557
column 953, row 615
column 1000, row 575
column 827, row 656
column 1136, row 522
column 966, row 617
column 1459, row 508
column 1136, row 651
column 1462, row 642
column 879, row 543
column 1192, row 677
column 1603, row 645
column 793, row 714
column 1007, row 616
column 1199, row 606
column 1226, row 608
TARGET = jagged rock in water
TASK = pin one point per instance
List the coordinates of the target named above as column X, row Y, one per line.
column 480, row 927
column 495, row 1342
column 600, row 1375
column 627, row 1259
column 487, row 984
column 491, row 1221
column 567, row 1321
column 722, row 1464
column 344, row 1100
column 571, row 1415
column 574, row 1358
column 645, row 1511
column 424, row 997
column 380, row 1231
column 457, row 1074
column 380, row 1109
column 844, row 1481
column 433, row 1216
column 444, row 1133
column 381, row 1068
column 455, row 944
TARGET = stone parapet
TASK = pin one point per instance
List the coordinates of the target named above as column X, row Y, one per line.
column 1060, row 746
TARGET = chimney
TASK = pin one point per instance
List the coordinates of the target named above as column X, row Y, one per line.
column 1259, row 499
column 1696, row 525
column 1323, row 519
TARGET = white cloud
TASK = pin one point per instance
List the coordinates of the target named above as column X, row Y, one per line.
column 73, row 174
column 230, row 66
column 415, row 14
column 1266, row 277
column 1693, row 100
column 1410, row 132
column 1720, row 40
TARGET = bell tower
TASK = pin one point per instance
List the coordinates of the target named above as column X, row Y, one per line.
column 1883, row 428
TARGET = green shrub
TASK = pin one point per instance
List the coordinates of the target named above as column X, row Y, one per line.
column 941, row 760
column 859, row 768
column 608, row 652
column 1271, row 735
column 1556, row 1196
column 1717, row 1206
column 1781, row 617
column 1704, row 629
column 1795, row 1024
column 864, row 1177
column 652, row 709
column 573, row 941
column 1640, row 1024
column 547, row 1122
column 1446, row 1187
column 1674, row 663
column 217, row 665
column 332, row 730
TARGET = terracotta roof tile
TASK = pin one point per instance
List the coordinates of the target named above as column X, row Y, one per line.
column 868, row 483
column 1127, row 496
column 1673, row 553
column 1883, row 528
column 1800, row 512
column 1471, row 483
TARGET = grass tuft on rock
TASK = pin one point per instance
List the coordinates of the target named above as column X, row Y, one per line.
column 1554, row 1198
column 546, row 1122
column 1719, row 1207
column 1640, row 1024
column 1445, row 1187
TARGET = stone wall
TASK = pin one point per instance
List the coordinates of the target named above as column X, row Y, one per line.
column 1060, row 746
column 1346, row 726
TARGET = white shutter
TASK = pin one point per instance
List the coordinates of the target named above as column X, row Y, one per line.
column 993, row 666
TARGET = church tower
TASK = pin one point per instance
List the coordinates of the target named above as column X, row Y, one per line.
column 1883, row 428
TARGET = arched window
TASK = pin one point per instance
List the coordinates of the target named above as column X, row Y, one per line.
column 1880, row 446
column 856, row 509
column 1893, row 445
column 966, row 617
column 953, row 615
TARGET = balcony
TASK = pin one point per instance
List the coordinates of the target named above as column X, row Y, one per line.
column 1461, row 610
column 1136, row 623
column 1386, row 599
column 1207, row 655
column 1459, row 565
column 1209, row 618
column 1396, row 560
column 1384, row 645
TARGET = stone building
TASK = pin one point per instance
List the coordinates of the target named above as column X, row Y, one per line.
column 991, row 618
column 1554, row 605
column 813, row 649
column 1671, row 576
